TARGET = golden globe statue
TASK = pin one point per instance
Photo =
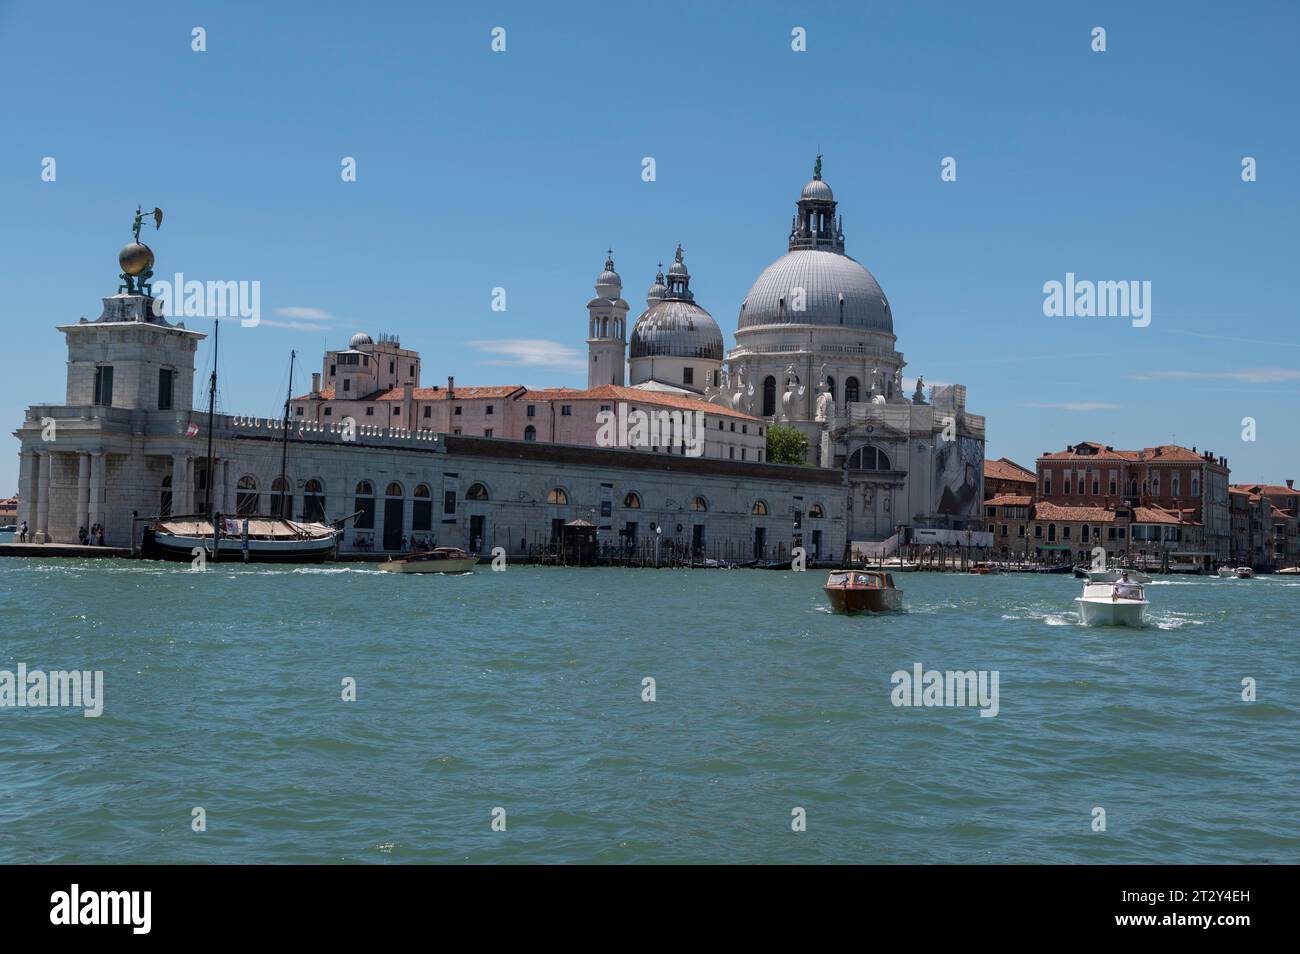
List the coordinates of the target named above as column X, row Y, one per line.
column 135, row 258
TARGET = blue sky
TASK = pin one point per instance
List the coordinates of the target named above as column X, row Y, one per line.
column 518, row 169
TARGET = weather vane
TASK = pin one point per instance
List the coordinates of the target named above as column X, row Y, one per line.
column 136, row 258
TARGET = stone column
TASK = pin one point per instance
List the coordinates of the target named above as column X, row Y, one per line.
column 178, row 485
column 83, row 492
column 97, row 489
column 41, row 527
column 27, row 466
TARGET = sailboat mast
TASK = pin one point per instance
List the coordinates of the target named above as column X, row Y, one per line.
column 212, row 406
column 284, row 452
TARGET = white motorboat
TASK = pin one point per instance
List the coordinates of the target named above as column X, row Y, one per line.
column 1113, row 575
column 1226, row 573
column 1112, row 604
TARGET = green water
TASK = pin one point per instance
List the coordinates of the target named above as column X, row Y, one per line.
column 523, row 690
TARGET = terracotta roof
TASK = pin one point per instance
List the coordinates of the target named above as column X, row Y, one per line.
column 1004, row 469
column 606, row 392
column 1162, row 515
column 1163, row 453
column 1269, row 490
column 1090, row 450
column 1051, row 511
column 662, row 399
column 1009, row 500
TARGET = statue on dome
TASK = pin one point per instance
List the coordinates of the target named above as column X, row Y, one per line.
column 918, row 396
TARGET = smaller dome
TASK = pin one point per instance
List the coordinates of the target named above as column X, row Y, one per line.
column 678, row 268
column 817, row 190
column 658, row 289
column 359, row 339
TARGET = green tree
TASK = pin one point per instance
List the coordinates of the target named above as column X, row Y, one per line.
column 786, row 445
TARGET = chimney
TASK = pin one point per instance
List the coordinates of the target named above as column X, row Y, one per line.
column 1290, row 484
column 451, row 386
column 315, row 382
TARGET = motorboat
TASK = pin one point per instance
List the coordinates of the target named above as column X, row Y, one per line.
column 1113, row 575
column 437, row 560
column 1226, row 573
column 985, row 569
column 1245, row 573
column 1112, row 604
column 858, row 591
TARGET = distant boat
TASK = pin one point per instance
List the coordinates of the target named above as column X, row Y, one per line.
column 858, row 591
column 984, row 569
column 1227, row 573
column 437, row 560
column 1112, row 604
column 777, row 565
column 1245, row 573
column 1290, row 571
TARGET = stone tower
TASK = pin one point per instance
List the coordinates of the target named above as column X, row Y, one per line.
column 607, row 329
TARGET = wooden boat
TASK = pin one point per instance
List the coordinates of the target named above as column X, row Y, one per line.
column 437, row 560
column 984, row 569
column 1112, row 604
column 255, row 539
column 858, row 591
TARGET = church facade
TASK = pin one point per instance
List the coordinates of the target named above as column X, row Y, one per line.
column 504, row 465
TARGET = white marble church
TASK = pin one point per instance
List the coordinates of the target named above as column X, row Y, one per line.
column 815, row 349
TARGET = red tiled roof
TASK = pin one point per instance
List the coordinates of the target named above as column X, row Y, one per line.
column 1009, row 500
column 1162, row 515
column 1004, row 469
column 1269, row 490
column 1095, row 450
column 1051, row 511
column 606, row 392
column 661, row 399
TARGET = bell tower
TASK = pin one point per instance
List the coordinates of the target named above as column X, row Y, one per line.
column 607, row 329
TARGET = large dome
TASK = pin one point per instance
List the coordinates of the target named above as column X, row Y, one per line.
column 837, row 290
column 677, row 329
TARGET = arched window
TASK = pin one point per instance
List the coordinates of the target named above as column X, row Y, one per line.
column 313, row 500
column 364, row 502
column 760, row 508
column 394, row 489
column 700, row 504
column 246, row 499
column 769, row 396
column 530, row 433
column 557, row 496
column 851, row 391
column 1133, row 488
column 1085, row 533
column 422, row 509
column 281, row 498
column 1174, row 484
column 869, row 458
column 1051, row 532
column 816, row 511
column 1196, row 487
column 632, row 501
column 165, row 498
column 477, row 491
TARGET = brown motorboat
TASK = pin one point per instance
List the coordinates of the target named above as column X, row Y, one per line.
column 862, row 591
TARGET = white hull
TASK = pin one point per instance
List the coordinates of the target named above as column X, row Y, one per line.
column 180, row 547
column 1094, row 612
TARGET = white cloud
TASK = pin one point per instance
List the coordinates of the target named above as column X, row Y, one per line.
column 531, row 353
column 1242, row 375
column 1079, row 406
column 311, row 314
